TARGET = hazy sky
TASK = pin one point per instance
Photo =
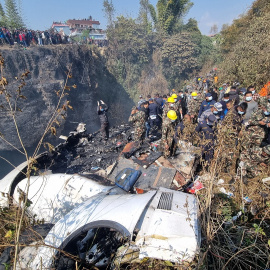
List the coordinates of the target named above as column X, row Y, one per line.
column 39, row 14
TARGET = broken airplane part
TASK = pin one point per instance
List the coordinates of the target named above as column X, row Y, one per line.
column 99, row 222
column 162, row 223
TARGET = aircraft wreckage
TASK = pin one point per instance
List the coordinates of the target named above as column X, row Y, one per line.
column 107, row 203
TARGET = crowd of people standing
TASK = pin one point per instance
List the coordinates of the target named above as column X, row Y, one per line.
column 27, row 37
column 229, row 123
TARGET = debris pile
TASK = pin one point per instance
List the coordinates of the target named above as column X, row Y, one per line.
column 89, row 154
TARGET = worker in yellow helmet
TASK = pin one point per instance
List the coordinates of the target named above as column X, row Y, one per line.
column 194, row 106
column 175, row 97
column 168, row 129
column 169, row 105
column 177, row 106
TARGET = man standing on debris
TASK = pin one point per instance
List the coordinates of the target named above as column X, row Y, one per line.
column 182, row 99
column 178, row 107
column 154, row 116
column 230, row 133
column 145, row 108
column 168, row 129
column 207, row 136
column 169, row 105
column 138, row 119
column 193, row 106
column 102, row 109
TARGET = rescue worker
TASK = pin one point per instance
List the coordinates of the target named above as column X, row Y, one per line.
column 140, row 102
column 154, row 116
column 138, row 119
column 158, row 100
column 185, row 130
column 168, row 129
column 207, row 136
column 193, row 106
column 178, row 107
column 216, row 110
column 206, row 104
column 102, row 109
column 169, row 105
column 182, row 99
column 145, row 108
column 230, row 133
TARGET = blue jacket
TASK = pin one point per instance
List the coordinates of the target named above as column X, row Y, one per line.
column 205, row 106
column 205, row 131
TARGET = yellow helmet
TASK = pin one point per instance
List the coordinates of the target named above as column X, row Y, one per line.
column 171, row 100
column 174, row 96
column 172, row 115
column 194, row 94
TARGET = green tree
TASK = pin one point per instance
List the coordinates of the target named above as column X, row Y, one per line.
column 14, row 20
column 168, row 14
column 2, row 16
column 109, row 10
column 179, row 58
column 144, row 15
column 192, row 26
column 130, row 49
column 207, row 51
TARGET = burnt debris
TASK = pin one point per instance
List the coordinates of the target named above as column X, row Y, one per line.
column 83, row 152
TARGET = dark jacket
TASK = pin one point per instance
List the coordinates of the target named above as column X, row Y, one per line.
column 183, row 102
column 205, row 106
column 205, row 131
column 235, row 97
column 154, row 109
column 214, row 95
column 102, row 113
column 159, row 101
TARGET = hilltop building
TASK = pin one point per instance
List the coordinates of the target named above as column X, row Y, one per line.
column 75, row 27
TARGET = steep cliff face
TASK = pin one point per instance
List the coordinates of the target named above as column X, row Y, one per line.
column 48, row 67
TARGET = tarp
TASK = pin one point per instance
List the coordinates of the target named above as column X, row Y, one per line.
column 265, row 90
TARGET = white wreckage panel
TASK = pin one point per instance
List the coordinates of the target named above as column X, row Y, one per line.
column 53, row 196
column 6, row 183
column 170, row 229
column 122, row 210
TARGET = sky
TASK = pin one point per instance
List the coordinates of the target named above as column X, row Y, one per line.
column 39, row 14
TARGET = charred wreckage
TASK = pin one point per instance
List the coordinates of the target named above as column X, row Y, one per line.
column 106, row 204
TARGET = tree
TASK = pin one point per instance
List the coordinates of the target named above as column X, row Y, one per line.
column 2, row 16
column 144, row 15
column 192, row 26
column 179, row 58
column 14, row 20
column 214, row 29
column 108, row 8
column 168, row 13
column 130, row 49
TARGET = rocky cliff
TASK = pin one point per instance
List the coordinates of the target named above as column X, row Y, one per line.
column 48, row 67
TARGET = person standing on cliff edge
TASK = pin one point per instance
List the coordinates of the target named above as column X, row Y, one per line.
column 102, row 109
